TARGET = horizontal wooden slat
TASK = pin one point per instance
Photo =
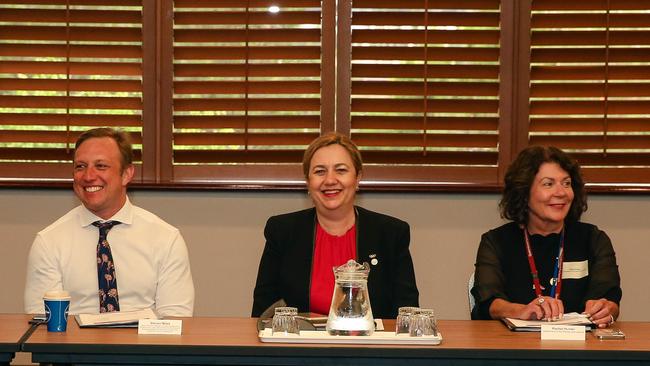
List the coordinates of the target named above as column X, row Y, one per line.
column 589, row 20
column 616, row 175
column 269, row 139
column 232, row 104
column 430, row 157
column 414, row 106
column 253, row 53
column 592, row 142
column 417, row 88
column 590, row 55
column 253, row 18
column 47, row 119
column 46, row 154
column 418, row 19
column 589, row 124
column 611, row 89
column 417, row 4
column 78, row 68
column 267, row 87
column 429, row 140
column 253, row 35
column 48, row 136
column 590, row 38
column 242, row 157
column 256, row 70
column 76, row 51
column 589, row 107
column 240, row 4
column 485, row 37
column 539, row 5
column 613, row 72
column 418, row 123
column 433, row 71
column 75, row 16
column 72, row 85
column 241, row 122
column 70, row 102
column 77, row 2
column 58, row 33
column 417, row 53
column 613, row 159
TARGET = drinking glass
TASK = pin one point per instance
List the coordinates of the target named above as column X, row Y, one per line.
column 402, row 323
column 423, row 323
column 285, row 320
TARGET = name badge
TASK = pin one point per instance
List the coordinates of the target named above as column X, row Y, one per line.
column 575, row 270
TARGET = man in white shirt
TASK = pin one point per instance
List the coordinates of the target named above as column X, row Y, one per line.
column 150, row 257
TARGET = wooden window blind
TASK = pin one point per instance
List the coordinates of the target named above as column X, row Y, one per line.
column 228, row 93
column 425, row 89
column 590, row 85
column 65, row 66
column 247, row 88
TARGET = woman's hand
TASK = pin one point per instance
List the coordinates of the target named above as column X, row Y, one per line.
column 601, row 312
column 543, row 308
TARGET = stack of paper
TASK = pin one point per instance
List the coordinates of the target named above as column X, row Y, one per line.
column 536, row 325
column 115, row 319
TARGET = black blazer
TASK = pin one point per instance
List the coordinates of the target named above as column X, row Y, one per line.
column 285, row 267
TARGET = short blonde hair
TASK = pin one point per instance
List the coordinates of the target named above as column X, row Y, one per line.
column 332, row 138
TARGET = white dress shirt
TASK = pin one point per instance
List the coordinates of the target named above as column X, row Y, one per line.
column 151, row 263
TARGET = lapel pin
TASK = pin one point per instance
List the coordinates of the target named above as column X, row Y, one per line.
column 373, row 259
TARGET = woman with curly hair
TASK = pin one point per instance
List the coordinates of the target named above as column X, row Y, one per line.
column 545, row 262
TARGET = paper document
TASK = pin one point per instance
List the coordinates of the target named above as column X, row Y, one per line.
column 535, row 325
column 115, row 319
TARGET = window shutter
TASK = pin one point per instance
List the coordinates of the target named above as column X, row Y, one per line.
column 65, row 66
column 425, row 89
column 590, row 85
column 246, row 88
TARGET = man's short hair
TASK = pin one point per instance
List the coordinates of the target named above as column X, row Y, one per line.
column 121, row 138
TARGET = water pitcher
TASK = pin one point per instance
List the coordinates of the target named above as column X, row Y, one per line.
column 350, row 312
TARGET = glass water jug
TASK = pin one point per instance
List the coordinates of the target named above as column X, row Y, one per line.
column 350, row 312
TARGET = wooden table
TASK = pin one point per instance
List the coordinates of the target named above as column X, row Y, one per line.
column 234, row 341
column 12, row 329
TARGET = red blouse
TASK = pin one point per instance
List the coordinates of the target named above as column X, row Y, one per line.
column 329, row 251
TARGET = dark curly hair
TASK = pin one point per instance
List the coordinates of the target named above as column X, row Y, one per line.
column 521, row 173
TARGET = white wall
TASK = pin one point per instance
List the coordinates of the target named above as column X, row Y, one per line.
column 224, row 234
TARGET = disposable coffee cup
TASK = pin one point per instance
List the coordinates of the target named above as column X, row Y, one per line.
column 57, row 304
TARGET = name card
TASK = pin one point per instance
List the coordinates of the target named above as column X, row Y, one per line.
column 563, row 332
column 160, row 326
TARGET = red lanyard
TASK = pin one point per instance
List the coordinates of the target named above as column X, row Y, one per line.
column 557, row 271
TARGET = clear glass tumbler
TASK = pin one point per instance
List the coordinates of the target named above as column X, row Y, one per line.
column 423, row 323
column 402, row 323
column 285, row 321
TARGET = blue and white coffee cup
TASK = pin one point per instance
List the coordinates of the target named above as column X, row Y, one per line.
column 57, row 304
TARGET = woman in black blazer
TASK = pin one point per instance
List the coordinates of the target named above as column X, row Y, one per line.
column 334, row 228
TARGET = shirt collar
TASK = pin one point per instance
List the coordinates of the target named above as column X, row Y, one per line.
column 124, row 215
